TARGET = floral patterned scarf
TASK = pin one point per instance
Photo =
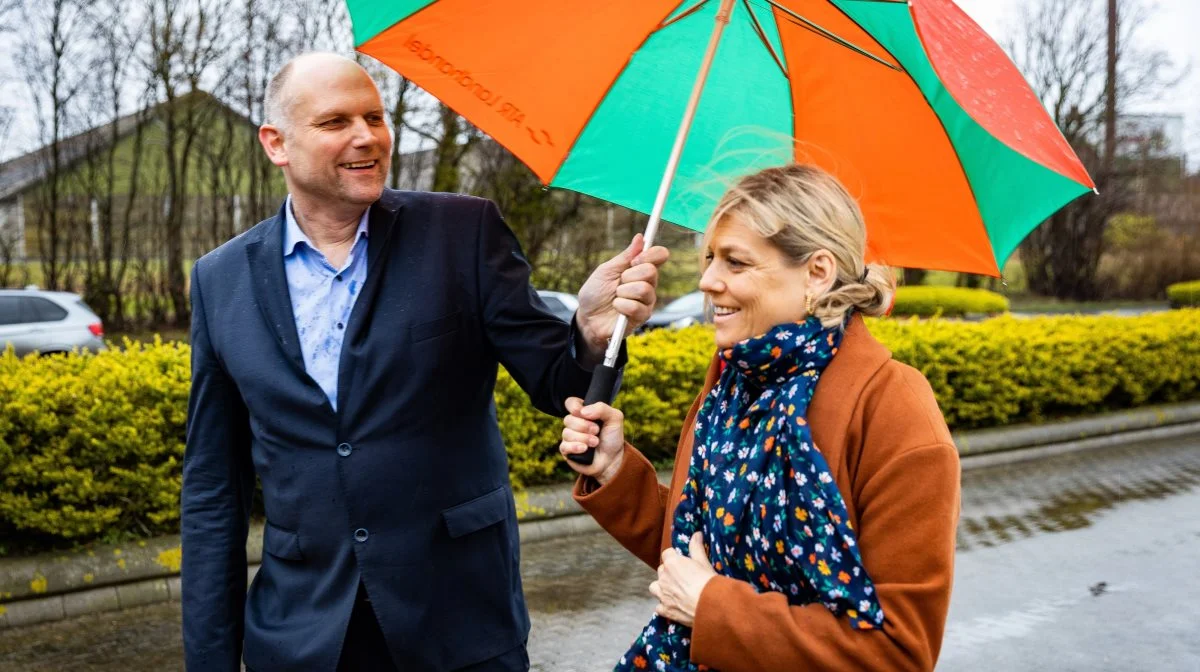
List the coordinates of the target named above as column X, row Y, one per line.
column 761, row 493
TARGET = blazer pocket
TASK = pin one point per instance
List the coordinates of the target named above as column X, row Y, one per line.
column 472, row 516
column 434, row 328
column 281, row 543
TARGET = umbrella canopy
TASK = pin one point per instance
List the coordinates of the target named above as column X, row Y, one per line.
column 910, row 104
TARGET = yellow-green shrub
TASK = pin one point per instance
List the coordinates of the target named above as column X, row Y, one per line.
column 1007, row 370
column 1184, row 294
column 90, row 446
column 925, row 301
column 999, row 371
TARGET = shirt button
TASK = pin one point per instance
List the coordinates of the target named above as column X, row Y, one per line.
column 338, row 278
column 360, row 535
column 344, row 449
column 341, row 326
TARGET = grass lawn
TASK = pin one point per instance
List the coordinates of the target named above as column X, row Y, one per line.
column 1040, row 304
column 147, row 336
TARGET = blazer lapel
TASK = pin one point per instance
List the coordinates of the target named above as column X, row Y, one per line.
column 381, row 224
column 265, row 257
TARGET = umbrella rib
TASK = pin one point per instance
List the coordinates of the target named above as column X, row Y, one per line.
column 683, row 15
column 831, row 36
column 762, row 35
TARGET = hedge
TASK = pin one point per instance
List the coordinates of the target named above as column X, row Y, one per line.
column 925, row 301
column 1184, row 294
column 90, row 446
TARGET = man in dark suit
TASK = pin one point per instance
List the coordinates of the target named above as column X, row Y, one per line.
column 345, row 352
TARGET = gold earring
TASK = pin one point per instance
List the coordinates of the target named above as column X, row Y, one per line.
column 808, row 304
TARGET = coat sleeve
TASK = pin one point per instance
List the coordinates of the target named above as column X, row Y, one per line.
column 218, row 486
column 908, row 512
column 631, row 507
column 533, row 345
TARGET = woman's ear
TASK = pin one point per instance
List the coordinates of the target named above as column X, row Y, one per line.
column 822, row 272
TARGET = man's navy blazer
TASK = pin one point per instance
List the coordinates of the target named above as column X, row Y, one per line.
column 405, row 487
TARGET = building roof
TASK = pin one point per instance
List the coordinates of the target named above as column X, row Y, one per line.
column 21, row 173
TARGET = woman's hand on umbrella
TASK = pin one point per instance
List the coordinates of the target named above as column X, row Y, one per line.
column 622, row 285
column 581, row 432
column 681, row 579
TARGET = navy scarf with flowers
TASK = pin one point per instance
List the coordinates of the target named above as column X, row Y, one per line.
column 762, row 494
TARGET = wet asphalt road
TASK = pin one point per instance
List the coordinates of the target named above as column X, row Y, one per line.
column 1077, row 562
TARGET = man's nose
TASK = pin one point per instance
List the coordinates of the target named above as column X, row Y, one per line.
column 363, row 135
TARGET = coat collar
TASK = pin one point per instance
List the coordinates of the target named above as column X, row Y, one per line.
column 265, row 256
column 830, row 413
column 858, row 358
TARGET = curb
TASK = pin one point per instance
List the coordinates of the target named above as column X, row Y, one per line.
column 54, row 586
column 1015, row 437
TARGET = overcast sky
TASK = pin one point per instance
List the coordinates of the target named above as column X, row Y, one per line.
column 1174, row 25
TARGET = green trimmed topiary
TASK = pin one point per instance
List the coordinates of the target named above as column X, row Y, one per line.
column 1184, row 294
column 924, row 301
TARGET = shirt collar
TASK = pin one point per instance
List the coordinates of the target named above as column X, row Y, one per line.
column 293, row 235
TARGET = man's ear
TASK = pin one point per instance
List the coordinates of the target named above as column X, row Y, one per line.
column 822, row 272
column 271, row 139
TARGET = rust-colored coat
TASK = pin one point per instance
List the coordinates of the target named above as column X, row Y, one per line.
column 878, row 425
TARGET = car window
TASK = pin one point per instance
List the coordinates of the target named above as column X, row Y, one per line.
column 10, row 310
column 553, row 303
column 42, row 310
column 688, row 303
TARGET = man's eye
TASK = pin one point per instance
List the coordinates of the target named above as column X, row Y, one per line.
column 736, row 263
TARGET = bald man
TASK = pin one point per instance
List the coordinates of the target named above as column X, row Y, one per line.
column 344, row 352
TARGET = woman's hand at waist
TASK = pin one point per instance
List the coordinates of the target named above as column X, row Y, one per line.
column 681, row 579
column 581, row 431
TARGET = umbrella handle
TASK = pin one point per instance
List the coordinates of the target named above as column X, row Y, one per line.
column 664, row 187
column 604, row 378
column 603, row 388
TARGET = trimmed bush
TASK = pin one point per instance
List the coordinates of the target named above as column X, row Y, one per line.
column 91, row 446
column 923, row 301
column 1184, row 294
column 1009, row 370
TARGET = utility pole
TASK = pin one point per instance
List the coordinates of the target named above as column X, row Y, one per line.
column 1110, row 93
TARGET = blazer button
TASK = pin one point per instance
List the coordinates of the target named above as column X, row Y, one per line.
column 344, row 449
column 360, row 535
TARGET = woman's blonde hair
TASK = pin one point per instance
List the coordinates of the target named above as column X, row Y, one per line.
column 801, row 209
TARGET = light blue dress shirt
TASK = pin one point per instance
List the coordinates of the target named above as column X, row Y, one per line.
column 322, row 298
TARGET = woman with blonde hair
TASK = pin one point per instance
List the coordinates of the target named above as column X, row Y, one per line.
column 810, row 519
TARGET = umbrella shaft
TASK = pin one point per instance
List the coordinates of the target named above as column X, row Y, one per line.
column 664, row 188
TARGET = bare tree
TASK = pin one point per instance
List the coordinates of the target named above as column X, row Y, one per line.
column 398, row 99
column 50, row 56
column 536, row 215
column 1063, row 51
column 186, row 40
column 113, row 168
column 453, row 137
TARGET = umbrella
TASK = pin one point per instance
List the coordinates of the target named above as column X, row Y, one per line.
column 658, row 105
